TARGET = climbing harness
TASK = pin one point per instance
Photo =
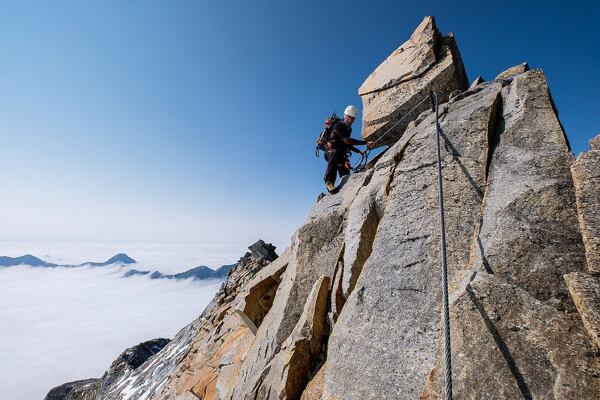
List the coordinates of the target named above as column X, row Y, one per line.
column 361, row 164
column 443, row 262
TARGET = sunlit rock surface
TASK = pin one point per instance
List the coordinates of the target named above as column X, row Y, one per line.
column 427, row 61
column 351, row 310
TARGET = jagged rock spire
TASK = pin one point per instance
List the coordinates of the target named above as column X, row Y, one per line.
column 427, row 61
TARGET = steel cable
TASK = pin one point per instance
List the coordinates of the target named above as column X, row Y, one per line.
column 443, row 260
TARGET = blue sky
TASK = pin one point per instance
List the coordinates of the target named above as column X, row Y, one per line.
column 178, row 121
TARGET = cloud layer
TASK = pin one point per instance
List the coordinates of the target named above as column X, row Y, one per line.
column 59, row 325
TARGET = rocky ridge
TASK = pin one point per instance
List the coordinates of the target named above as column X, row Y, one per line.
column 201, row 272
column 138, row 380
column 351, row 309
column 89, row 389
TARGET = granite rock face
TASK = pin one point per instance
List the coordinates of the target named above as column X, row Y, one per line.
column 585, row 290
column 398, row 287
column 352, row 309
column 509, row 345
column 586, row 174
column 302, row 350
column 427, row 61
column 528, row 240
column 314, row 253
column 261, row 251
column 529, row 233
column 585, row 287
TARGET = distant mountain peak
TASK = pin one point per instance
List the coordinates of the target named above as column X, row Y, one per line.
column 27, row 259
column 121, row 258
column 200, row 272
column 34, row 261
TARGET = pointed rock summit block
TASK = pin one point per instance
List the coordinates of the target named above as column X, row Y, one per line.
column 513, row 71
column 478, row 81
column 427, row 61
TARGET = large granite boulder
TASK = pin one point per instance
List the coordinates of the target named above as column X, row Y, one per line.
column 427, row 61
column 508, row 345
column 302, row 350
column 529, row 233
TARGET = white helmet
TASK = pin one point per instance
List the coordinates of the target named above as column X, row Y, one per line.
column 351, row 111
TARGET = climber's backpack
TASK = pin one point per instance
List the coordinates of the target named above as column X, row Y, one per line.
column 325, row 134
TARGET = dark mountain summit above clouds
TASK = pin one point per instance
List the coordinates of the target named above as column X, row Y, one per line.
column 120, row 258
column 27, row 259
column 201, row 272
column 130, row 359
column 33, row 261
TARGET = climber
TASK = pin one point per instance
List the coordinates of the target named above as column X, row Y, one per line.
column 339, row 146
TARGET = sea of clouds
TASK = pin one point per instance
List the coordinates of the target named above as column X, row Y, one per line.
column 63, row 324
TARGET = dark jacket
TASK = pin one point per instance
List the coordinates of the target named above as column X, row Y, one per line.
column 341, row 138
